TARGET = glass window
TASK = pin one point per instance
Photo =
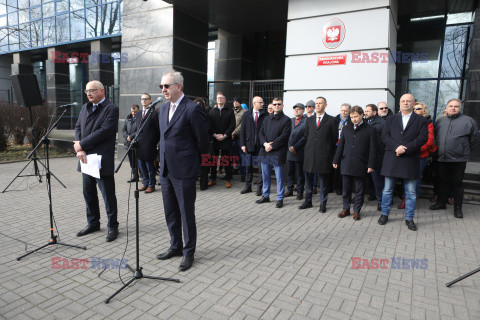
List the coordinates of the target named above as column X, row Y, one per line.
column 424, row 91
column 23, row 4
column 76, row 5
column 12, row 5
column 63, row 30
column 23, row 16
column 24, row 36
column 93, row 22
column 49, row 31
column 3, row 21
column 13, row 18
column 48, row 9
column 35, row 13
column 77, row 25
column 3, row 37
column 3, row 7
column 111, row 15
column 91, row 3
column 463, row 17
column 62, row 5
column 35, row 2
column 36, row 30
column 456, row 40
column 13, row 39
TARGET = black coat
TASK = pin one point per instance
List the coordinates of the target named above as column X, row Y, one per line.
column 297, row 140
column 320, row 146
column 222, row 123
column 275, row 128
column 378, row 123
column 413, row 138
column 249, row 135
column 130, row 128
column 97, row 133
column 356, row 149
column 148, row 139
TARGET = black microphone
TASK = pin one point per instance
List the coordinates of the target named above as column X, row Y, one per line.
column 66, row 106
column 159, row 100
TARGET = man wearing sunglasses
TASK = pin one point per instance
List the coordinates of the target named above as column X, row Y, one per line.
column 383, row 111
column 96, row 132
column 183, row 139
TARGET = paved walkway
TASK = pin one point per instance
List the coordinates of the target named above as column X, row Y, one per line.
column 252, row 261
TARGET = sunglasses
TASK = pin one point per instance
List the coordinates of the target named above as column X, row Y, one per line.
column 277, row 104
column 417, row 109
column 382, row 108
column 166, row 86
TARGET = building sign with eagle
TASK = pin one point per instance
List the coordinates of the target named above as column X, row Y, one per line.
column 333, row 33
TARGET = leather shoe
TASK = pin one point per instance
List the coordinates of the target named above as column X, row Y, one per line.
column 263, row 200
column 379, row 207
column 228, row 184
column 383, row 220
column 143, row 188
column 279, row 204
column 289, row 193
column 246, row 190
column 259, row 192
column 300, row 196
column 305, row 205
column 457, row 211
column 212, row 183
column 112, row 235
column 411, row 225
column 88, row 229
column 450, row 201
column 132, row 180
column 169, row 254
column 186, row 263
column 150, row 190
column 356, row 215
column 344, row 213
column 323, row 208
column 438, row 206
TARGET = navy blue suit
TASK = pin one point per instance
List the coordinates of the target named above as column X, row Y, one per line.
column 97, row 132
column 183, row 140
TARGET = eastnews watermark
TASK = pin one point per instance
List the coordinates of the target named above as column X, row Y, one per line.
column 393, row 263
column 209, row 160
column 383, row 57
column 85, row 57
column 88, row 263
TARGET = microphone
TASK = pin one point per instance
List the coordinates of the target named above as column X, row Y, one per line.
column 159, row 100
column 67, row 106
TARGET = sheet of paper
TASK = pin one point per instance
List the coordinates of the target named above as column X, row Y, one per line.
column 93, row 165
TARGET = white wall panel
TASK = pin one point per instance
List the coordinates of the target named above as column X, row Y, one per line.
column 308, row 8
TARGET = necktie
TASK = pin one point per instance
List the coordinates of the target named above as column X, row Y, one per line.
column 355, row 127
column 172, row 110
column 318, row 122
column 94, row 107
column 143, row 113
column 256, row 118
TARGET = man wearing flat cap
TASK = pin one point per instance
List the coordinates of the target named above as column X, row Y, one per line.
column 296, row 143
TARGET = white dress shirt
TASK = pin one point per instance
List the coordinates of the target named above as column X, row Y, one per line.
column 405, row 119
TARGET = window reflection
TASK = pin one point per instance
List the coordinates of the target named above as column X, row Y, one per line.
column 36, row 30
column 76, row 5
column 3, row 8
column 12, row 5
column 110, row 24
column 456, row 40
column 63, row 30
column 62, row 5
column 77, row 25
column 449, row 89
column 25, row 36
column 93, row 22
column 49, row 31
column 49, row 9
column 12, row 19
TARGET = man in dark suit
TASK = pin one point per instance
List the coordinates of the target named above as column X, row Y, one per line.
column 356, row 152
column 274, row 135
column 295, row 155
column 403, row 135
column 222, row 125
column 96, row 132
column 129, row 132
column 250, row 143
column 183, row 139
column 321, row 133
column 343, row 119
column 147, row 146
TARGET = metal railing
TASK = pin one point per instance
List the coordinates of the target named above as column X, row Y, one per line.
column 245, row 90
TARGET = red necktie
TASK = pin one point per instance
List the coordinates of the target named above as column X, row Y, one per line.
column 318, row 122
column 256, row 118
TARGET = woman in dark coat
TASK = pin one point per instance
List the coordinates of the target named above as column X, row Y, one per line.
column 356, row 151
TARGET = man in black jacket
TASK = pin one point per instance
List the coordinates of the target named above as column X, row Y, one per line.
column 343, row 119
column 147, row 146
column 374, row 120
column 321, row 133
column 295, row 154
column 274, row 136
column 356, row 152
column 222, row 124
column 129, row 131
column 96, row 132
column 250, row 143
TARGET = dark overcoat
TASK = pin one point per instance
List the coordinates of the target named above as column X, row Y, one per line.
column 275, row 128
column 414, row 136
column 356, row 150
column 148, row 140
column 129, row 129
column 378, row 124
column 250, row 133
column 97, row 133
column 297, row 140
column 222, row 122
column 320, row 144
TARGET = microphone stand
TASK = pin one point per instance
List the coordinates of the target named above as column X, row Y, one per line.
column 462, row 277
column 137, row 273
column 53, row 237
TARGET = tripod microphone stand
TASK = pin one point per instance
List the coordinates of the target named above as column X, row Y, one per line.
column 33, row 158
column 53, row 237
column 137, row 273
column 462, row 277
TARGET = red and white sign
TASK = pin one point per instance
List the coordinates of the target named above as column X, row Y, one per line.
column 332, row 60
column 333, row 33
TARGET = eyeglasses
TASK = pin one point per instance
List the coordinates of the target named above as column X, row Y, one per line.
column 417, row 109
column 90, row 91
column 166, row 86
column 383, row 108
column 277, row 104
column 143, row 99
